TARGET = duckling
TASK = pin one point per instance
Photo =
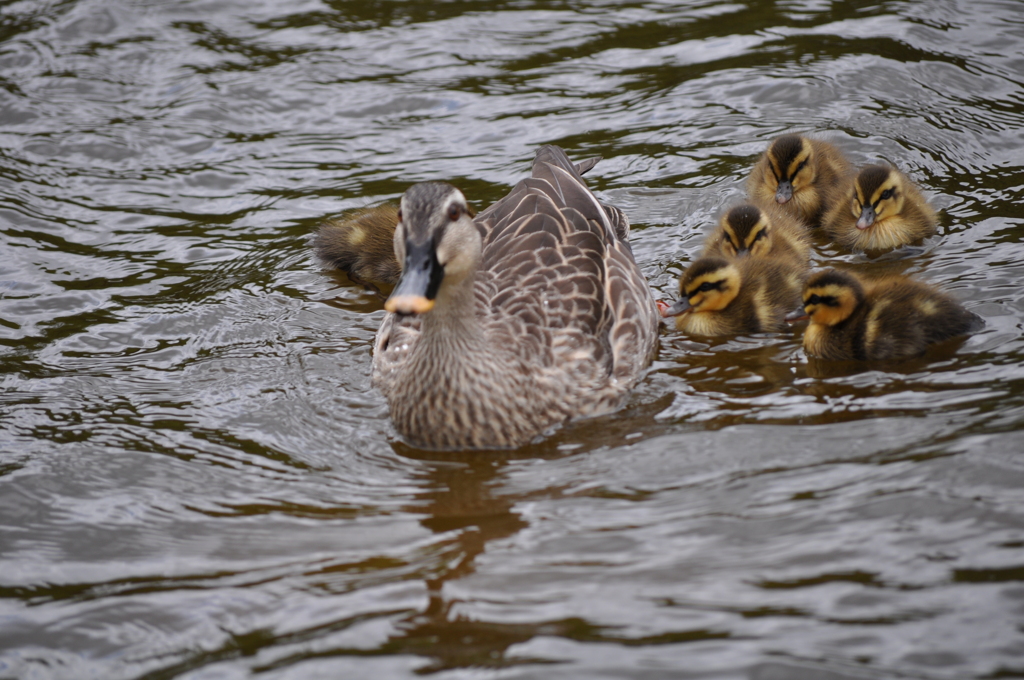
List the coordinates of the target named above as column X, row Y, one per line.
column 361, row 244
column 800, row 174
column 880, row 209
column 760, row 232
column 723, row 297
column 892, row 318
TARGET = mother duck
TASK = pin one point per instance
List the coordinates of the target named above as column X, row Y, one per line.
column 505, row 325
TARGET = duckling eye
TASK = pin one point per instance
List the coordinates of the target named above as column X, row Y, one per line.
column 399, row 214
column 813, row 300
column 454, row 211
column 706, row 286
column 887, row 194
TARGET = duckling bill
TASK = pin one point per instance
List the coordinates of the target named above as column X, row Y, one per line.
column 892, row 318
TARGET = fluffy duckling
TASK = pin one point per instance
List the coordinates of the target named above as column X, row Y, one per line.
column 723, row 297
column 361, row 243
column 800, row 174
column 760, row 232
column 880, row 209
column 891, row 318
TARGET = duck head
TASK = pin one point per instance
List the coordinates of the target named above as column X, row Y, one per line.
column 746, row 231
column 437, row 243
column 878, row 195
column 709, row 285
column 829, row 298
column 791, row 159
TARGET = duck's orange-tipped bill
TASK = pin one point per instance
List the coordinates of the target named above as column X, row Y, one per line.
column 421, row 279
column 408, row 304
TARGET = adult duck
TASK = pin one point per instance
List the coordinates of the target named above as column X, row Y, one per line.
column 507, row 324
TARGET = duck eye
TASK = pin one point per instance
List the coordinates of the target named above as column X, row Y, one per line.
column 705, row 287
column 813, row 300
column 399, row 214
column 454, row 211
column 887, row 194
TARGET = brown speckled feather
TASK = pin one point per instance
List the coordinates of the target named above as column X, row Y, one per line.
column 563, row 324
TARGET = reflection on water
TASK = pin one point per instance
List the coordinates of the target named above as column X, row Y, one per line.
column 197, row 479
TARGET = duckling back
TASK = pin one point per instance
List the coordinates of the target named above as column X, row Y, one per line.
column 905, row 316
column 800, row 174
column 361, row 244
column 879, row 209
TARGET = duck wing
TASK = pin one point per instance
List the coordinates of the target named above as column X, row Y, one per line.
column 558, row 280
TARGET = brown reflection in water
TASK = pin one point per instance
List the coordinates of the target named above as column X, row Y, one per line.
column 461, row 499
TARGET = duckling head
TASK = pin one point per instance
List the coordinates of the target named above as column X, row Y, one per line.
column 878, row 195
column 791, row 159
column 437, row 243
column 709, row 285
column 746, row 230
column 830, row 297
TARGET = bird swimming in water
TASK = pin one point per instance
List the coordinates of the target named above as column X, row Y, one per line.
column 892, row 318
column 761, row 232
column 879, row 209
column 800, row 174
column 728, row 297
column 506, row 325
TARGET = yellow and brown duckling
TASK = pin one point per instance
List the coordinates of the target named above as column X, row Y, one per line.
column 361, row 243
column 727, row 297
column 891, row 318
column 800, row 174
column 880, row 209
column 760, row 232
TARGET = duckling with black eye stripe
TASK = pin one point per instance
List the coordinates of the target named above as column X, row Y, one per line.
column 723, row 297
column 880, row 210
column 891, row 318
column 761, row 232
column 799, row 174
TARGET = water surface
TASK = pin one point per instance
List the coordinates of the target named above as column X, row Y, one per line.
column 198, row 481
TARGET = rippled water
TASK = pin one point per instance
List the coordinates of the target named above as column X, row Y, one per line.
column 197, row 480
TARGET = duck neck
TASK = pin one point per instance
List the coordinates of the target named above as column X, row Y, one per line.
column 452, row 327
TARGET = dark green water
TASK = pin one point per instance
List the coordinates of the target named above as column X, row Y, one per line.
column 197, row 480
